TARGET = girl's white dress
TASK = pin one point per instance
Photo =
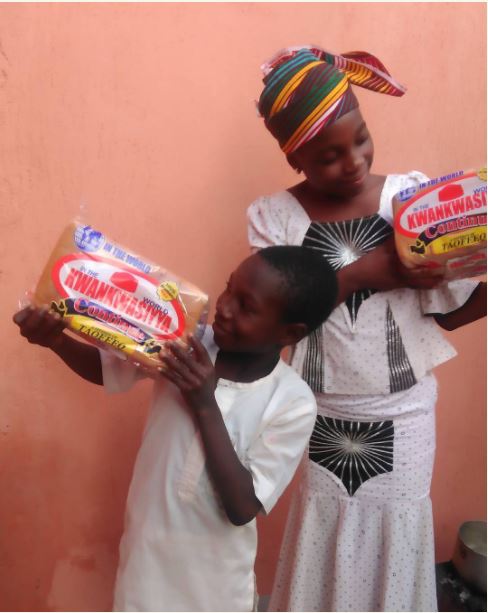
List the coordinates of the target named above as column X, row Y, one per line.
column 359, row 536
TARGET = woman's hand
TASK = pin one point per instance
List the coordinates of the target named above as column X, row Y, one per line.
column 40, row 326
column 192, row 371
column 382, row 269
column 472, row 310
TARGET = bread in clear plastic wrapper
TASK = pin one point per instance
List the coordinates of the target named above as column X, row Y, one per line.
column 442, row 224
column 115, row 299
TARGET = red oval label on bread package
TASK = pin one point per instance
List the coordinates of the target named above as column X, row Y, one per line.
column 126, row 300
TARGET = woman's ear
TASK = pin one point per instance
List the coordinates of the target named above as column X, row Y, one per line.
column 293, row 163
column 293, row 333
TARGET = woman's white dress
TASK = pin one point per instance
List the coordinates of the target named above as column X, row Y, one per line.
column 359, row 535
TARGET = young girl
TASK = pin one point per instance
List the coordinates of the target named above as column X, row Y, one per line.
column 223, row 437
column 359, row 536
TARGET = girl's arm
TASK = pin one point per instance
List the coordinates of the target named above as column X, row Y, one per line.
column 42, row 327
column 194, row 374
column 473, row 309
column 231, row 478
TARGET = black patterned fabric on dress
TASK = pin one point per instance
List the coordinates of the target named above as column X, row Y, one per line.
column 400, row 369
column 344, row 242
column 354, row 451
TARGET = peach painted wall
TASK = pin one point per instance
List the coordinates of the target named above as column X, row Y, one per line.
column 145, row 112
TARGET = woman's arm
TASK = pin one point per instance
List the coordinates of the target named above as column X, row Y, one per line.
column 194, row 374
column 473, row 309
column 42, row 327
column 381, row 269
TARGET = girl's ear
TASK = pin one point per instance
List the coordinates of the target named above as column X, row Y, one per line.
column 293, row 333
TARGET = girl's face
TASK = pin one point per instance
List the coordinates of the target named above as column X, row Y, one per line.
column 249, row 313
column 337, row 161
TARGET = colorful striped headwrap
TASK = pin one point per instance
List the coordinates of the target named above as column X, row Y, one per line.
column 307, row 88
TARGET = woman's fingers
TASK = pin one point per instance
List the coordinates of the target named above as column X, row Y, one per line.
column 422, row 278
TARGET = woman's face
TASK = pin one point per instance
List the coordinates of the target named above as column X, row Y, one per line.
column 337, row 161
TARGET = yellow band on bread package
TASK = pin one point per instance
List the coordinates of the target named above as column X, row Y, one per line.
column 442, row 224
column 116, row 299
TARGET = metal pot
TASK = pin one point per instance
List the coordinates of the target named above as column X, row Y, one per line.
column 470, row 554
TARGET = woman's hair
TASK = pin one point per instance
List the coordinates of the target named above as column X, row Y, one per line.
column 310, row 283
column 308, row 88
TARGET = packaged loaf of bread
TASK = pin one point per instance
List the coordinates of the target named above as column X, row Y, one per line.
column 442, row 224
column 116, row 299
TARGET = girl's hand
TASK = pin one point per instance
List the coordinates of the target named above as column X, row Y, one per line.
column 192, row 371
column 40, row 326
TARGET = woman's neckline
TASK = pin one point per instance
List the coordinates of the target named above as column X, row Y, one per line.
column 333, row 219
column 350, row 220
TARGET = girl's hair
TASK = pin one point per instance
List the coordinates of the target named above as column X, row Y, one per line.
column 310, row 283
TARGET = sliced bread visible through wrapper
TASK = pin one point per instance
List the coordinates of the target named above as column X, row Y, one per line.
column 116, row 299
column 442, row 224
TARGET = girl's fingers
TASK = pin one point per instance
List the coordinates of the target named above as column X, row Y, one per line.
column 179, row 369
column 22, row 315
column 32, row 322
column 187, row 358
column 39, row 326
column 175, row 378
column 42, row 325
column 201, row 353
column 170, row 374
column 53, row 325
column 173, row 364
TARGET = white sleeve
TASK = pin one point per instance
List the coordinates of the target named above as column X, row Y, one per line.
column 119, row 375
column 265, row 227
column 275, row 455
column 448, row 297
column 395, row 184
